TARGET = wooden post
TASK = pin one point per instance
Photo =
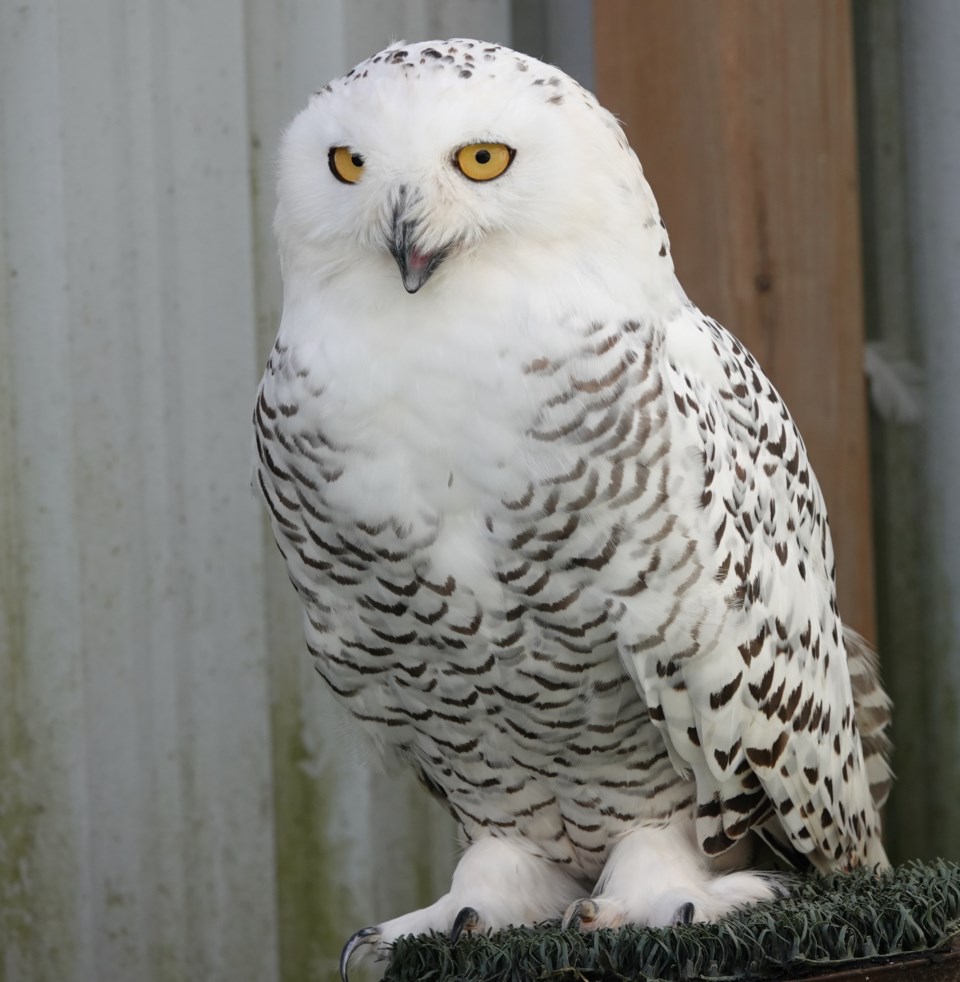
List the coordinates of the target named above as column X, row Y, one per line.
column 743, row 115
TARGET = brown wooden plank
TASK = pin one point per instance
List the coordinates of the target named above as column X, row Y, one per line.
column 742, row 113
column 942, row 966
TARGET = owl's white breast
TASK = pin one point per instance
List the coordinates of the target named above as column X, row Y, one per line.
column 432, row 389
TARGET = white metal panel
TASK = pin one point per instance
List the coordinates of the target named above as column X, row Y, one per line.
column 40, row 795
column 136, row 757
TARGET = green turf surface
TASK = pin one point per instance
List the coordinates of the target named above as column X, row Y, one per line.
column 824, row 923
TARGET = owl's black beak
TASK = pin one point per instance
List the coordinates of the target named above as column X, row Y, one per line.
column 416, row 265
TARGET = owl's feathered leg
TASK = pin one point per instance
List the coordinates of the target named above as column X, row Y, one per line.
column 657, row 876
column 497, row 882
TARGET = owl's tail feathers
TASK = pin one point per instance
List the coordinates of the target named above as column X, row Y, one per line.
column 872, row 711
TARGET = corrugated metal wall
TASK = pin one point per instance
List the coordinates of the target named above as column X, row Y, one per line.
column 909, row 149
column 136, row 782
column 927, row 563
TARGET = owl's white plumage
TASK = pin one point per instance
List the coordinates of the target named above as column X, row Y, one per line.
column 558, row 541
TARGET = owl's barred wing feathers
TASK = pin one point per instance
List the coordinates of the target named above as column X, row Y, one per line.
column 720, row 578
column 768, row 724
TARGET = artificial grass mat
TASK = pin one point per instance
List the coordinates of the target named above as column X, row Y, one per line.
column 826, row 922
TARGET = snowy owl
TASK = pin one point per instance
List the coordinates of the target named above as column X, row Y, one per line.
column 558, row 542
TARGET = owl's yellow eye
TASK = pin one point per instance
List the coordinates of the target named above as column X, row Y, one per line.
column 484, row 161
column 345, row 164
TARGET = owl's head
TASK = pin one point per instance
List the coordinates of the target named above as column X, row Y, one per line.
column 429, row 153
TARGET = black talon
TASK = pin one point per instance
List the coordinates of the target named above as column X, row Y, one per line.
column 366, row 935
column 684, row 914
column 467, row 920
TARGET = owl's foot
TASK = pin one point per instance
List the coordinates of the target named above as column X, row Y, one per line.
column 657, row 877
column 468, row 921
column 497, row 882
column 612, row 912
column 368, row 941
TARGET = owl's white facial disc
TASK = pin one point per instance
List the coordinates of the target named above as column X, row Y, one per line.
column 389, row 167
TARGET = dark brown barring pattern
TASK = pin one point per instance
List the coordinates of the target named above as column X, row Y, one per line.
column 575, row 705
